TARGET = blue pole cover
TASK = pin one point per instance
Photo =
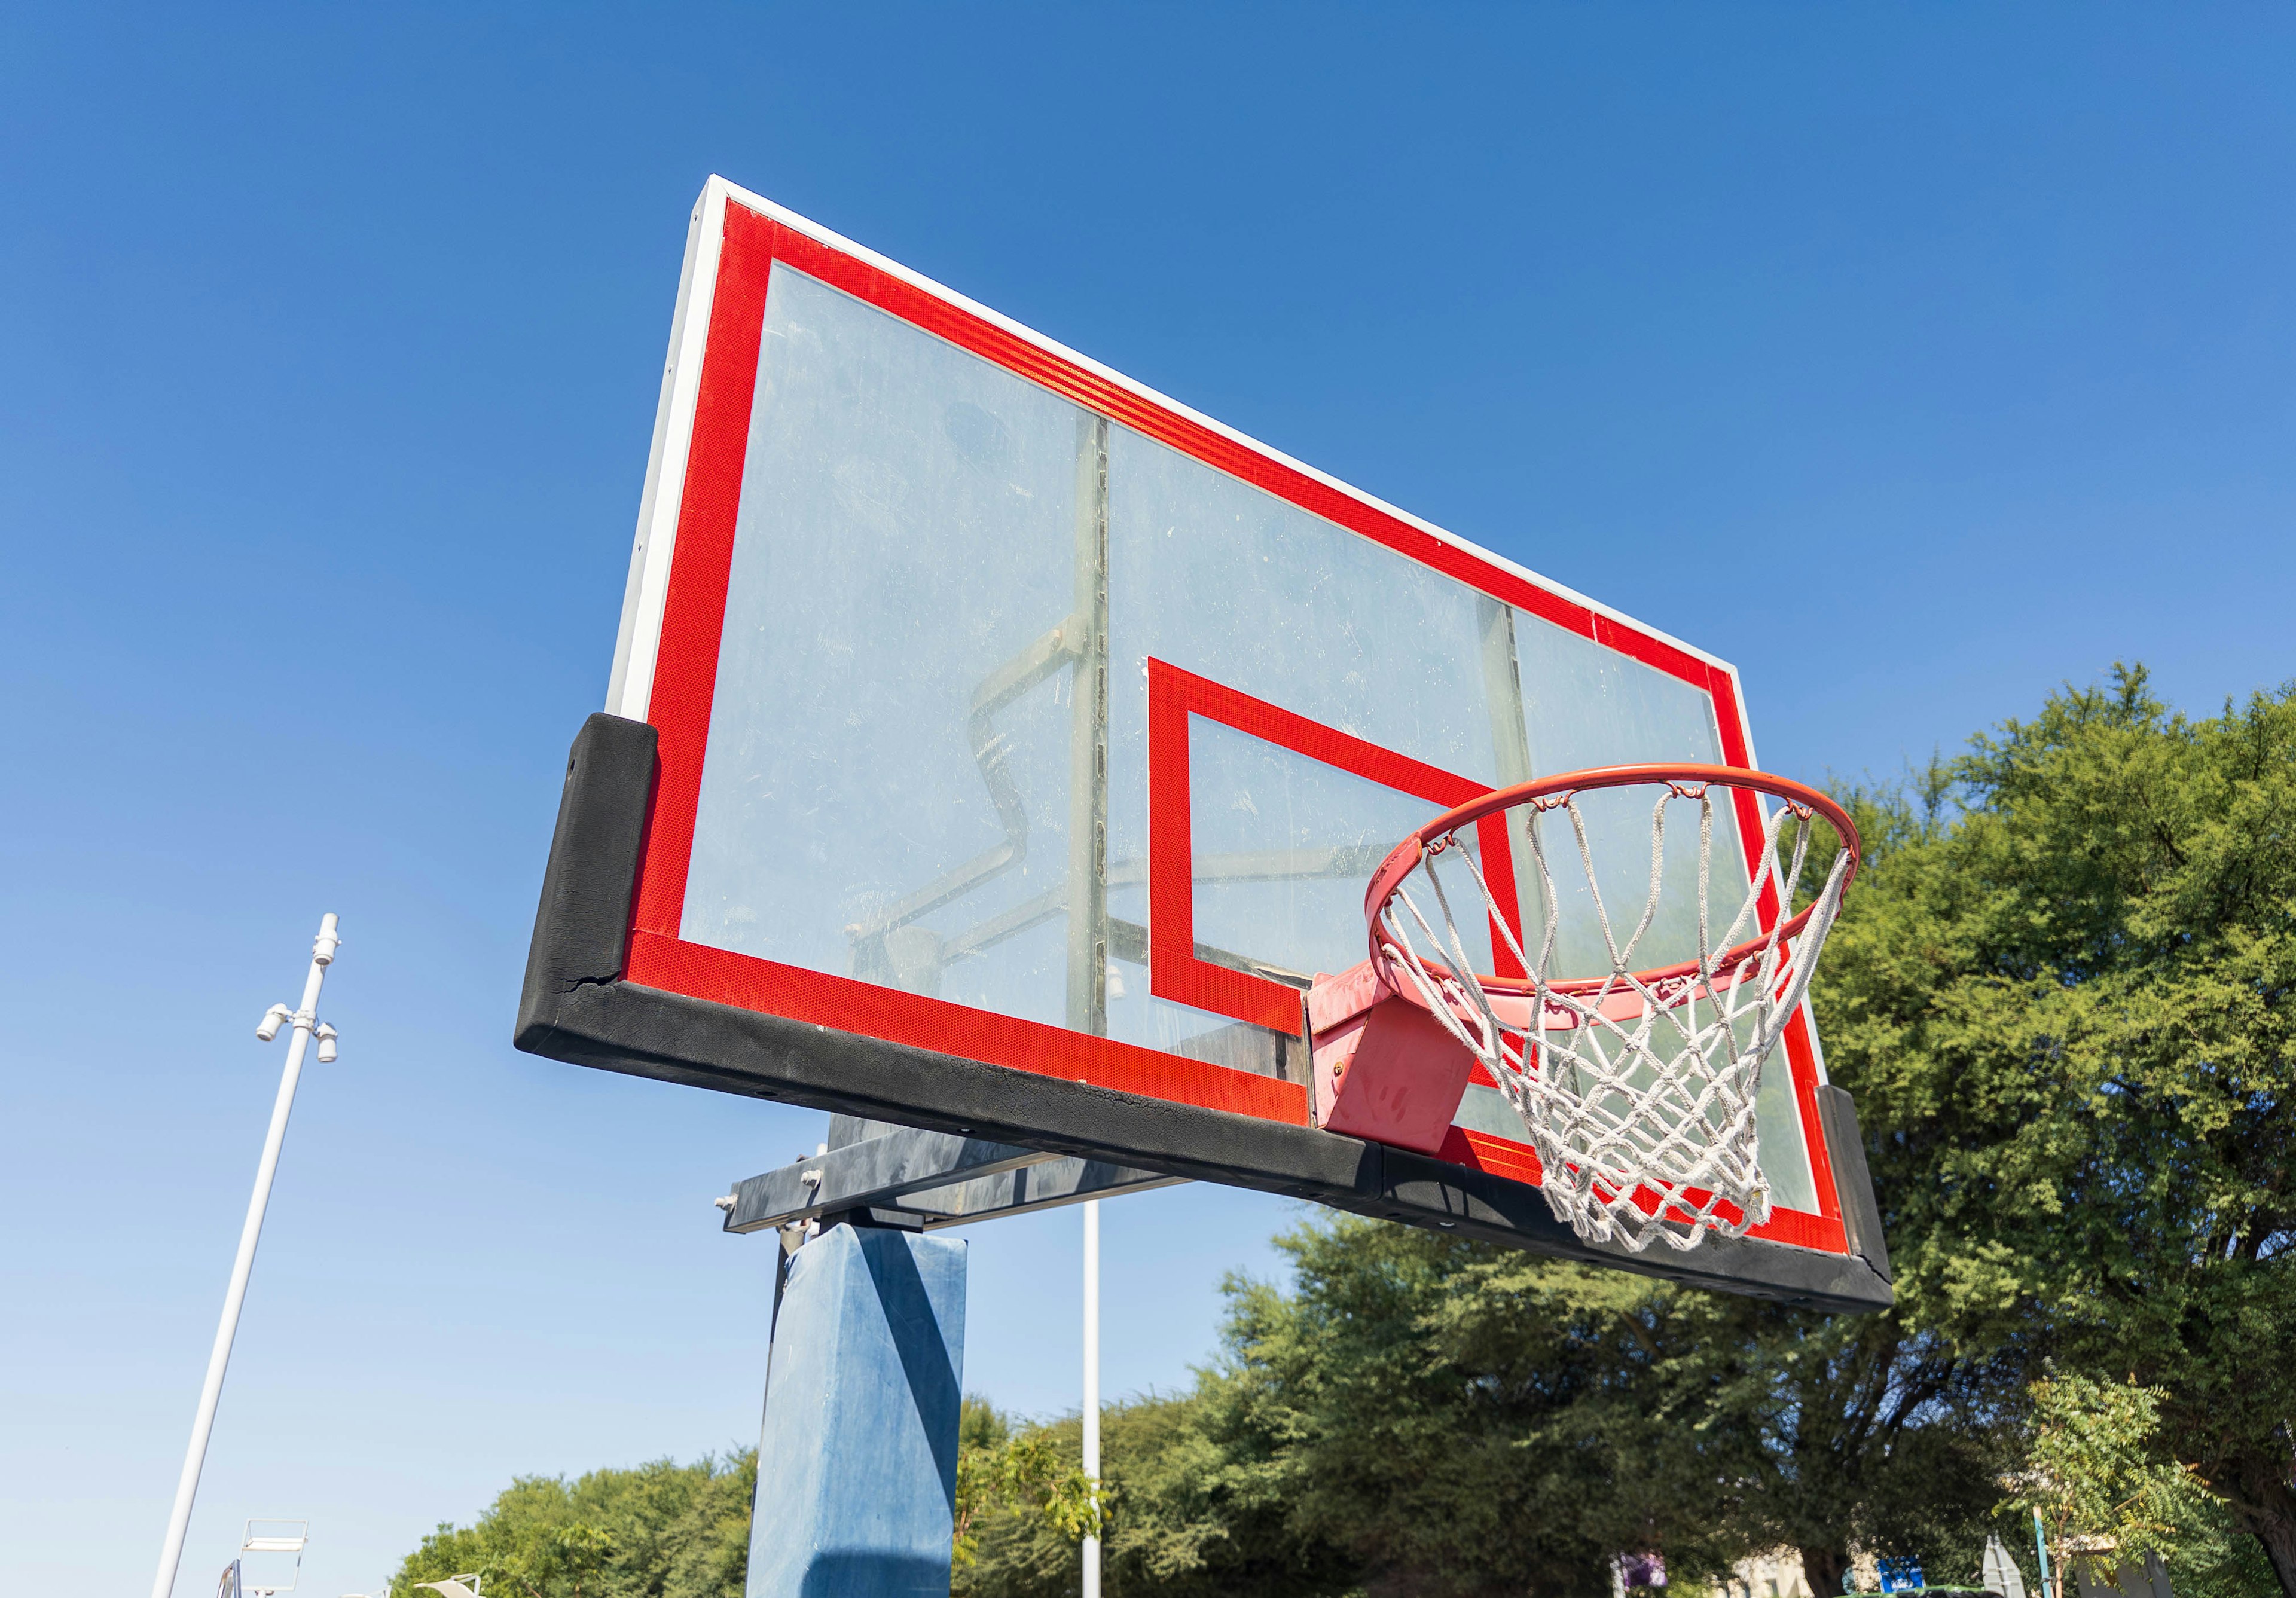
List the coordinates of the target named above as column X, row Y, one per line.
column 856, row 1461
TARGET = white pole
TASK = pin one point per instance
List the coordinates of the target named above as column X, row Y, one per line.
column 188, row 1487
column 1092, row 1381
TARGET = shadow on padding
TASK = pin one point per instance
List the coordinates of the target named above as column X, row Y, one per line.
column 863, row 1574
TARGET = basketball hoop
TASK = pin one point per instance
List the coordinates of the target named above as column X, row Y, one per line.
column 1638, row 1088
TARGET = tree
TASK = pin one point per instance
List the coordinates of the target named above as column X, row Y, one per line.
column 1193, row 1504
column 2091, row 1478
column 1473, row 1419
column 1462, row 1419
column 2063, row 1000
column 1021, row 1473
column 1867, row 1433
column 661, row 1530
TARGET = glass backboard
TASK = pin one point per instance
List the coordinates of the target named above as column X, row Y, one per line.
column 1011, row 711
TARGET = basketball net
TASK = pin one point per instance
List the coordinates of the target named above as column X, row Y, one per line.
column 1639, row 1090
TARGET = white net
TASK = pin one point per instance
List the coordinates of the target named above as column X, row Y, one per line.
column 1638, row 1089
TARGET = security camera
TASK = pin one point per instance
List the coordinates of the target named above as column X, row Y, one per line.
column 324, row 946
column 326, row 1036
column 273, row 1019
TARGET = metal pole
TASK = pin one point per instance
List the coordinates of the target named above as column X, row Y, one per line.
column 1092, row 1381
column 1086, row 631
column 1088, row 880
column 188, row 1487
column 2041, row 1547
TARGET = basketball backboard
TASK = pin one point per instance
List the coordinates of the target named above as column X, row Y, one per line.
column 996, row 745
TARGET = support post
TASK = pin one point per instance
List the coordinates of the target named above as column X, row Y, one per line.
column 857, row 1459
column 1088, row 874
column 243, row 1265
column 1510, row 743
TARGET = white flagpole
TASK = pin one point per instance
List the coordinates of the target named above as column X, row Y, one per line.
column 1092, row 1381
column 306, row 1025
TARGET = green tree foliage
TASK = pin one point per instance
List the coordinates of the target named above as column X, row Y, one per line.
column 1859, row 1433
column 2219, row 1560
column 2064, row 997
column 1194, row 1506
column 1022, row 1473
column 1464, row 1419
column 1425, row 1415
column 661, row 1530
column 2093, row 1480
column 1438, row 1388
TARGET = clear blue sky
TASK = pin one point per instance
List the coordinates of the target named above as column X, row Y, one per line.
column 1914, row 358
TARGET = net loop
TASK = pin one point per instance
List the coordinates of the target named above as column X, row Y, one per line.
column 1639, row 1089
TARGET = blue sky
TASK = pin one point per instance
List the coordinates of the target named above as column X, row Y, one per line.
column 1912, row 358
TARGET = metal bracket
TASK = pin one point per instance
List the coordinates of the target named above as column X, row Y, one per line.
column 938, row 1178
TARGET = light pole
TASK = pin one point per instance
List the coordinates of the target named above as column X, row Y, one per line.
column 307, row 1026
column 1091, row 1383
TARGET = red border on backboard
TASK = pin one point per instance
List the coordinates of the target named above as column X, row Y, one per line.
column 1175, row 969
column 684, row 679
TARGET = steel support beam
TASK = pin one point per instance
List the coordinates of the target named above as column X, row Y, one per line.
column 941, row 1177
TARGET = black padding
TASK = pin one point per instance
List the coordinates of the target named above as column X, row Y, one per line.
column 1861, row 1216
column 576, row 1009
column 582, row 927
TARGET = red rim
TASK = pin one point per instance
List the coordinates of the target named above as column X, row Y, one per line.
column 1405, row 858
